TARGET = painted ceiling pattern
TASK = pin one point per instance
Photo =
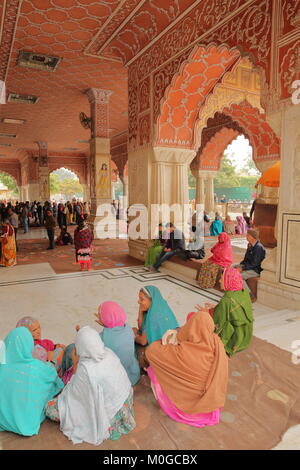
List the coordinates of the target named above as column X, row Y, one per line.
column 195, row 81
column 97, row 39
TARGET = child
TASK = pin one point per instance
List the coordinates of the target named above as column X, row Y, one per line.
column 64, row 237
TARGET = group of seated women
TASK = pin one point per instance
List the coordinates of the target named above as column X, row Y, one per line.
column 231, row 227
column 87, row 387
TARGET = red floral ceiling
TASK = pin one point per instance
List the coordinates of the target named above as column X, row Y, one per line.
column 81, row 32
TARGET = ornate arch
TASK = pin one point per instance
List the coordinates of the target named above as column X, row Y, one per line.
column 196, row 78
column 53, row 167
column 265, row 143
column 234, row 88
column 225, row 126
column 8, row 173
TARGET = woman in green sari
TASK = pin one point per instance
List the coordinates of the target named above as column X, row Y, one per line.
column 154, row 251
column 233, row 315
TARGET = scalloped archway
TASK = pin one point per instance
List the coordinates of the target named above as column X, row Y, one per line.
column 5, row 172
column 196, row 79
column 225, row 126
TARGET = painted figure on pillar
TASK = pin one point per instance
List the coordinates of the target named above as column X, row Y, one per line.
column 104, row 181
column 45, row 190
column 103, row 176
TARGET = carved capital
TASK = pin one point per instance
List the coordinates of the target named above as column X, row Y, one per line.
column 98, row 96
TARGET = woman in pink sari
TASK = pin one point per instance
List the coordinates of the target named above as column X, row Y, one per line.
column 221, row 258
column 189, row 377
column 241, row 226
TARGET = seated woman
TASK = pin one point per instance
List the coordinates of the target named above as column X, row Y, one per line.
column 229, row 226
column 155, row 250
column 241, row 227
column 8, row 256
column 217, row 226
column 26, row 385
column 233, row 315
column 221, row 258
column 247, row 219
column 97, row 403
column 118, row 336
column 189, row 379
column 44, row 349
column 154, row 319
column 64, row 238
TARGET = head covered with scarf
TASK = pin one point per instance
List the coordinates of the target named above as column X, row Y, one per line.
column 194, row 373
column 111, row 314
column 27, row 385
column 118, row 336
column 233, row 280
column 159, row 318
column 95, row 393
column 222, row 251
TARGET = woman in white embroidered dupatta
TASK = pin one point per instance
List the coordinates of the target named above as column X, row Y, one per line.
column 97, row 403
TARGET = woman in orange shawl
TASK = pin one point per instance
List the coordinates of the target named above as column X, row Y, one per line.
column 189, row 377
column 8, row 245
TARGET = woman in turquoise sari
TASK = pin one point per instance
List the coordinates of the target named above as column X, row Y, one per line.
column 154, row 319
column 27, row 385
column 217, row 226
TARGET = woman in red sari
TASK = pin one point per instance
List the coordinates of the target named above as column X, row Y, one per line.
column 8, row 245
column 83, row 238
column 221, row 258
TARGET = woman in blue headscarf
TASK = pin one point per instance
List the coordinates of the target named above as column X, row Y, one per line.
column 217, row 225
column 154, row 319
column 27, row 385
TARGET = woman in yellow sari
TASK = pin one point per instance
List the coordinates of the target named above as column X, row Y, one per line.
column 8, row 245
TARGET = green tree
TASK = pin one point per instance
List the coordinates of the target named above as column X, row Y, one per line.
column 10, row 182
column 54, row 182
column 227, row 176
column 69, row 188
column 248, row 181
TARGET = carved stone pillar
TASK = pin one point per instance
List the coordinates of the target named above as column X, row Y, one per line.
column 209, row 196
column 200, row 186
column 100, row 159
column 157, row 175
column 86, row 192
column 279, row 285
column 44, row 181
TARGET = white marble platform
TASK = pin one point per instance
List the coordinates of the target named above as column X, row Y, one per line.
column 60, row 302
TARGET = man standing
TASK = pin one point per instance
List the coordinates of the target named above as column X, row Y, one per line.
column 255, row 254
column 50, row 226
column 14, row 222
column 40, row 213
column 24, row 217
column 174, row 245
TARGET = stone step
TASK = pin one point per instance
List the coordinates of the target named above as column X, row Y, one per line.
column 276, row 318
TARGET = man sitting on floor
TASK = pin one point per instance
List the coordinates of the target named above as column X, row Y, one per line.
column 255, row 254
column 174, row 245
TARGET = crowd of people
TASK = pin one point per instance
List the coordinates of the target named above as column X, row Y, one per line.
column 239, row 226
column 87, row 386
column 171, row 242
column 49, row 215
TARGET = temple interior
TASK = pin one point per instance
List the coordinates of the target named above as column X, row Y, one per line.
column 142, row 94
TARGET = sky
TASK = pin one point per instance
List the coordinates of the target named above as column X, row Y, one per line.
column 239, row 152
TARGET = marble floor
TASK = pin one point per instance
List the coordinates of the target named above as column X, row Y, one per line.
column 61, row 301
